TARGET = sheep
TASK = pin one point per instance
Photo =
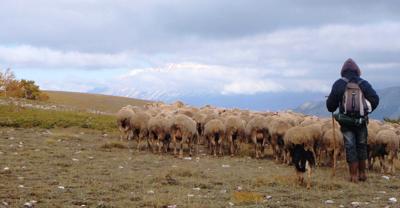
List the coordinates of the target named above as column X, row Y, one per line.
column 200, row 119
column 332, row 144
column 123, row 122
column 390, row 141
column 235, row 131
column 299, row 143
column 159, row 131
column 278, row 128
column 183, row 130
column 214, row 132
column 138, row 124
column 258, row 132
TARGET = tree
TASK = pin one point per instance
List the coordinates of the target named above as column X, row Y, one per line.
column 6, row 79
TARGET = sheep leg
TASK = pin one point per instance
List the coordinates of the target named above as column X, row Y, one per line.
column 175, row 143
column 309, row 173
column 231, row 145
column 220, row 146
column 382, row 163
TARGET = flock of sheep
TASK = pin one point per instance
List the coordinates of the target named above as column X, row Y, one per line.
column 158, row 125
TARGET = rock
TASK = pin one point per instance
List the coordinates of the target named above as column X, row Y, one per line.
column 223, row 191
column 386, row 177
column 239, row 188
column 21, row 186
column 341, row 206
column 150, row 192
column 28, row 205
column 268, row 197
column 190, row 195
column 226, row 166
column 393, row 200
column 11, row 138
column 187, row 158
column 120, row 167
column 355, row 204
column 231, row 204
column 105, row 135
column 329, row 202
column 382, row 192
column 75, row 160
column 6, row 168
column 172, row 206
column 196, row 189
column 61, row 187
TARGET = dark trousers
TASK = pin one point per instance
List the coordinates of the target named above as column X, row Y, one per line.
column 355, row 142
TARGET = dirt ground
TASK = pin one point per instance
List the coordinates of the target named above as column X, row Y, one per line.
column 82, row 168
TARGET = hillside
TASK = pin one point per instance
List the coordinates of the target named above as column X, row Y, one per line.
column 95, row 102
column 389, row 106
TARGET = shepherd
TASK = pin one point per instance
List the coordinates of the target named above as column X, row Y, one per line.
column 355, row 99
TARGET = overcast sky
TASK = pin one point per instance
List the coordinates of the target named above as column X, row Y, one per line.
column 177, row 47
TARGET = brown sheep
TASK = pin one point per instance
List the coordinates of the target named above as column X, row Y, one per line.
column 139, row 129
column 332, row 144
column 214, row 132
column 183, row 130
column 159, row 132
column 258, row 132
column 123, row 122
column 277, row 130
column 235, row 131
column 390, row 141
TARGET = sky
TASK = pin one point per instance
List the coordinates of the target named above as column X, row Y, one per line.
column 182, row 49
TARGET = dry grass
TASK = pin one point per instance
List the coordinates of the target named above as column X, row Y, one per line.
column 74, row 167
column 84, row 101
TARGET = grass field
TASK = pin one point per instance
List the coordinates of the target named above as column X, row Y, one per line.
column 76, row 167
column 84, row 101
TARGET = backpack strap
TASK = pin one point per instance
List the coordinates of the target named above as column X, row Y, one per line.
column 345, row 79
column 361, row 81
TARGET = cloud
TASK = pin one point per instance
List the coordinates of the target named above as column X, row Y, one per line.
column 40, row 57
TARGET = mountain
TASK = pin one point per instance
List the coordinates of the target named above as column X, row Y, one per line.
column 389, row 106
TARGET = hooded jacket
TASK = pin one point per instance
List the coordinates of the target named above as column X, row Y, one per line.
column 352, row 72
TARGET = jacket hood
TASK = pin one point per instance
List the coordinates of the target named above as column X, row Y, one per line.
column 350, row 66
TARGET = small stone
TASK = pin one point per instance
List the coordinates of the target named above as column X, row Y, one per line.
column 382, row 192
column 11, row 138
column 329, row 202
column 20, row 178
column 105, row 135
column 187, row 158
column 150, row 192
column 393, row 200
column 190, row 195
column 386, row 177
column 5, row 203
column 226, row 166
column 61, row 187
column 231, row 204
column 6, row 168
column 28, row 205
column 75, row 160
column 196, row 189
column 21, row 186
column 268, row 197
column 90, row 158
column 355, row 204
column 341, row 206
column 171, row 206
column 223, row 191
column 120, row 167
column 239, row 188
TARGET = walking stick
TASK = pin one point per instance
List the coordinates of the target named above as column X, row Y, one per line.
column 334, row 146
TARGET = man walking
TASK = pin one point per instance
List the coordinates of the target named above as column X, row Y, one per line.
column 355, row 98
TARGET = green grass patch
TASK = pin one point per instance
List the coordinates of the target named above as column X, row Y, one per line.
column 14, row 116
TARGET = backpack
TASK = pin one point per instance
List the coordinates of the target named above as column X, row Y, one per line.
column 354, row 103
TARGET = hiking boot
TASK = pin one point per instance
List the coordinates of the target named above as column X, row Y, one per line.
column 353, row 169
column 362, row 165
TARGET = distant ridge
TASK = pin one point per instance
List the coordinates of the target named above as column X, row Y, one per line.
column 389, row 106
column 84, row 101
